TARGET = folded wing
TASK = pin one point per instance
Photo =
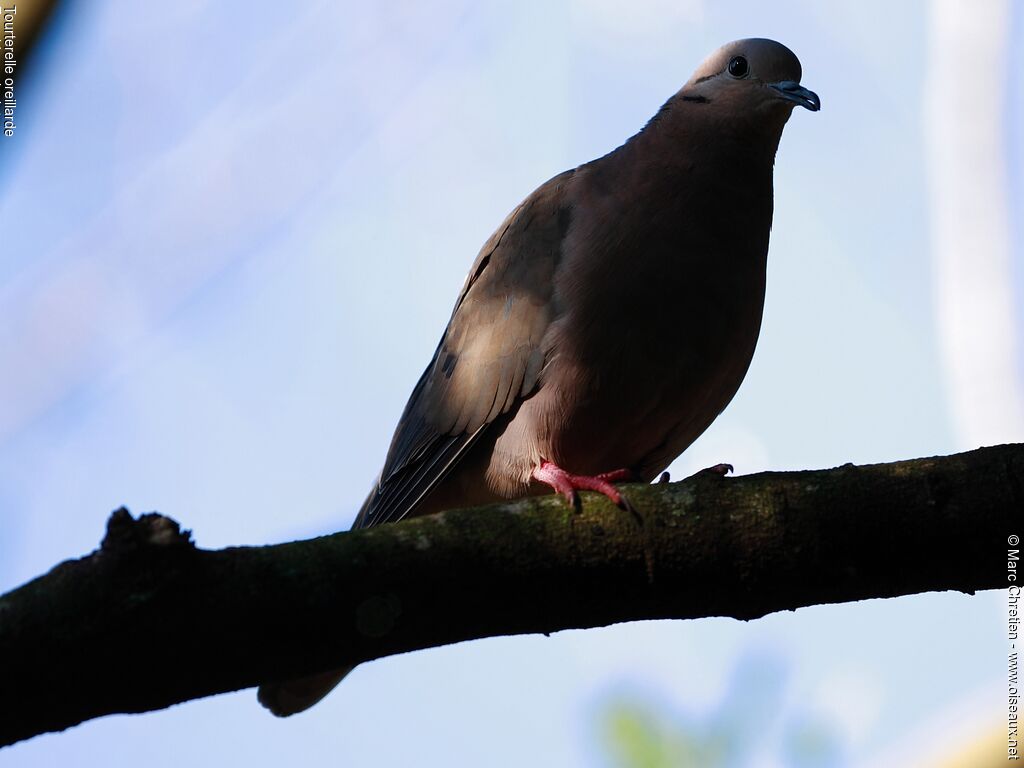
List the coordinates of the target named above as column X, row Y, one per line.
column 489, row 358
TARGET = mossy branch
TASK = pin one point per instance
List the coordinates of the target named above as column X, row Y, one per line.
column 149, row 620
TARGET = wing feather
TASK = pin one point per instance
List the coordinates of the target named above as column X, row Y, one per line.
column 489, row 358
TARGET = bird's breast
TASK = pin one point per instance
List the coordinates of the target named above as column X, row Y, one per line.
column 660, row 328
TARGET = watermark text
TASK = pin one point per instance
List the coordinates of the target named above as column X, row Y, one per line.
column 8, row 62
column 1013, row 625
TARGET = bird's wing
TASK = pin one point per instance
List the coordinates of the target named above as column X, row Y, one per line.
column 489, row 357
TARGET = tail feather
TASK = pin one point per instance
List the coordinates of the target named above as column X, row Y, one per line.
column 289, row 697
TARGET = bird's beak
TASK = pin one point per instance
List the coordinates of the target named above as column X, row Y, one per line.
column 796, row 93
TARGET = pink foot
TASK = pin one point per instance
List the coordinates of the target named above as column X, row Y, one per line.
column 566, row 484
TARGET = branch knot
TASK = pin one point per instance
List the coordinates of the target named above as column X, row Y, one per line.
column 126, row 534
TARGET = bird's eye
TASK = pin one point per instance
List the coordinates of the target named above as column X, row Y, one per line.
column 738, row 66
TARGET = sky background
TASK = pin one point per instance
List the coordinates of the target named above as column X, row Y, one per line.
column 231, row 235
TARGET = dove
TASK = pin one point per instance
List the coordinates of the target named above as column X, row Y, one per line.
column 607, row 321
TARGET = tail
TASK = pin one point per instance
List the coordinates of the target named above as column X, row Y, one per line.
column 291, row 696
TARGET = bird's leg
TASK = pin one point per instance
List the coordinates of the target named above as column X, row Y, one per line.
column 567, row 484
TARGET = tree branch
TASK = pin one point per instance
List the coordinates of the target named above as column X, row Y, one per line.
column 149, row 620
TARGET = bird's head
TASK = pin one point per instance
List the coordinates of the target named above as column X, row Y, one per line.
column 756, row 77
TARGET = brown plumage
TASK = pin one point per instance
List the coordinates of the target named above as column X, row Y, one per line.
column 609, row 319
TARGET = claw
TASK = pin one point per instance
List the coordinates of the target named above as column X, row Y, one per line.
column 567, row 484
column 719, row 470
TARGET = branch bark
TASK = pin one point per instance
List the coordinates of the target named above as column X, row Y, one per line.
column 149, row 620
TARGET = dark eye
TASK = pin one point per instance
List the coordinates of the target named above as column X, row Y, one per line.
column 738, row 66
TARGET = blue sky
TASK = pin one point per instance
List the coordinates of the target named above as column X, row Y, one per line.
column 232, row 234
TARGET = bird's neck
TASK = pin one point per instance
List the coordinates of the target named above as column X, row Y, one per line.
column 682, row 160
column 714, row 137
